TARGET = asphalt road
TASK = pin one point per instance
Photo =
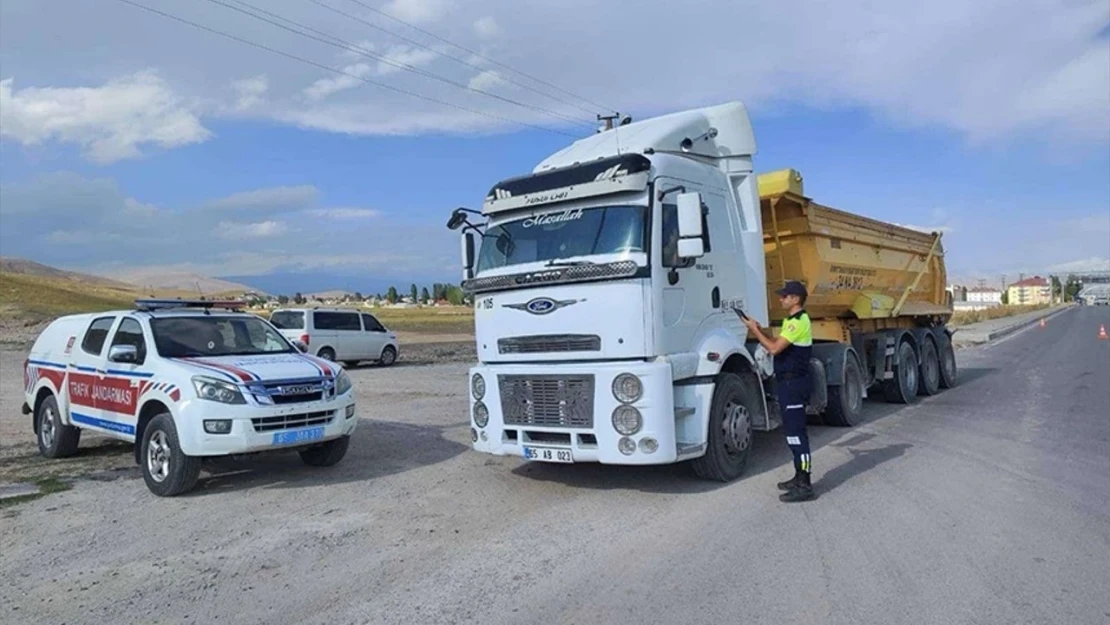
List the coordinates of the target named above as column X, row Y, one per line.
column 989, row 503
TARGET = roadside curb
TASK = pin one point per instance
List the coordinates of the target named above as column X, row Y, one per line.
column 969, row 338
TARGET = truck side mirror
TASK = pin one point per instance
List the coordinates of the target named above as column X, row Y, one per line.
column 468, row 255
column 691, row 242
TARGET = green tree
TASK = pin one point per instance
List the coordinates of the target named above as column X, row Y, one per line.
column 1073, row 288
column 1006, row 297
column 391, row 295
column 358, row 296
column 413, row 292
column 283, row 299
column 454, row 295
column 299, row 299
column 424, row 296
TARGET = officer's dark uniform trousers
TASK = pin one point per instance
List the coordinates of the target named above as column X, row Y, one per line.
column 794, row 384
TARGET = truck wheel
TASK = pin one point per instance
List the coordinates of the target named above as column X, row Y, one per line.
column 902, row 389
column 56, row 439
column 846, row 401
column 735, row 404
column 326, row 454
column 166, row 469
column 930, row 369
column 947, row 365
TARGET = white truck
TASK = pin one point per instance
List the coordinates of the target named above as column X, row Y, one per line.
column 184, row 380
column 604, row 287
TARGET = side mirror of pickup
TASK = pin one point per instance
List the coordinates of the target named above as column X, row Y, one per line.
column 691, row 237
column 468, row 255
column 123, row 353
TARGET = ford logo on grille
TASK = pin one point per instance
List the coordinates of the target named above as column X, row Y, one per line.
column 303, row 389
column 543, row 305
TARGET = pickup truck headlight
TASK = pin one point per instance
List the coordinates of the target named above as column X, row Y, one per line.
column 342, row 383
column 217, row 391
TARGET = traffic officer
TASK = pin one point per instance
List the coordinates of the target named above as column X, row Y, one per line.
column 793, row 382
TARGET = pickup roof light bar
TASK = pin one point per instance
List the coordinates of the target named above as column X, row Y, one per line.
column 163, row 304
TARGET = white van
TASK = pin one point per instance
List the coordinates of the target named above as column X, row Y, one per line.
column 338, row 334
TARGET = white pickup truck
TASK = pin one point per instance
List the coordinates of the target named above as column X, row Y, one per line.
column 184, row 380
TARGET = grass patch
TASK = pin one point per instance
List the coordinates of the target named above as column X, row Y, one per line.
column 41, row 297
column 46, row 485
column 965, row 317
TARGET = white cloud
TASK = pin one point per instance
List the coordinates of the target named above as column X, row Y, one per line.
column 417, row 10
column 109, row 122
column 327, row 86
column 405, row 55
column 259, row 230
column 344, row 213
column 485, row 80
column 486, row 27
column 273, row 199
column 249, row 92
column 1085, row 265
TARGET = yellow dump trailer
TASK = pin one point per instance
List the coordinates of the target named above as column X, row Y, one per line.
column 876, row 286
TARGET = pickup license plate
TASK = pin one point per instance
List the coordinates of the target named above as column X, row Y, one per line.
column 546, row 454
column 298, row 436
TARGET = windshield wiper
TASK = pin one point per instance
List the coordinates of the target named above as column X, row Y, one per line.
column 568, row 263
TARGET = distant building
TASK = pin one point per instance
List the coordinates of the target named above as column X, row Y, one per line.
column 1033, row 291
column 984, row 295
column 959, row 293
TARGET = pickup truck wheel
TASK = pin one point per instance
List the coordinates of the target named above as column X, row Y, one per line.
column 389, row 356
column 930, row 369
column 56, row 439
column 166, row 469
column 947, row 365
column 326, row 454
column 845, row 406
column 902, row 389
column 736, row 403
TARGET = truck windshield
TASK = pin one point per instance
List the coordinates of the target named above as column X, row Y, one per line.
column 554, row 235
column 211, row 335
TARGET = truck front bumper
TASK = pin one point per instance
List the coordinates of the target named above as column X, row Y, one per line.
column 263, row 428
column 563, row 412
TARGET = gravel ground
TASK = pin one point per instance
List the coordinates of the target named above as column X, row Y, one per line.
column 985, row 504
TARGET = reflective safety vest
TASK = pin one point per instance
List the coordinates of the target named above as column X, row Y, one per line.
column 794, row 360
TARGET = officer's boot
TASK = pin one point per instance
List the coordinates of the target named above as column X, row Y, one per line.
column 802, row 491
column 792, row 482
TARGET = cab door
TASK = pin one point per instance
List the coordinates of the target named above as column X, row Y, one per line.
column 84, row 374
column 125, row 377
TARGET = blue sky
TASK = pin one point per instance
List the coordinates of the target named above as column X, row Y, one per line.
column 134, row 145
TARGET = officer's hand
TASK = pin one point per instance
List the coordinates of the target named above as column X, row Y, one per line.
column 752, row 324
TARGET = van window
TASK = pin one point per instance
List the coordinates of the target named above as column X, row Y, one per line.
column 371, row 324
column 97, row 333
column 336, row 321
column 288, row 320
column 130, row 333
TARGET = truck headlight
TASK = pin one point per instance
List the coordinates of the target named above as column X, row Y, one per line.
column 627, row 388
column 478, row 386
column 342, row 382
column 481, row 414
column 627, row 420
column 217, row 390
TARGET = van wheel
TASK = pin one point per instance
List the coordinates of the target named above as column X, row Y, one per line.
column 326, row 454
column 56, row 439
column 930, row 369
column 736, row 403
column 166, row 469
column 902, row 389
column 846, row 401
column 389, row 356
column 947, row 365
column 327, row 354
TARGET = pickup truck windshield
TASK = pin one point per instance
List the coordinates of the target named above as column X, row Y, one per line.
column 212, row 335
column 553, row 235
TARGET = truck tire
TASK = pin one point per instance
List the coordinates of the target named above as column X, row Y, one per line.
column 947, row 365
column 736, row 403
column 845, row 408
column 902, row 388
column 167, row 471
column 929, row 369
column 56, row 439
column 326, row 454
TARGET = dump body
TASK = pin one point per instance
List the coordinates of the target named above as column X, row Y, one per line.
column 854, row 267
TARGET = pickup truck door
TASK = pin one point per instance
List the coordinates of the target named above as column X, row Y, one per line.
column 84, row 375
column 124, row 377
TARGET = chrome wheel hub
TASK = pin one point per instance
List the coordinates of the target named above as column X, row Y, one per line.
column 48, row 427
column 158, row 456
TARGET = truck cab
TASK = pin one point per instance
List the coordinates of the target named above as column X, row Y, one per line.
column 604, row 286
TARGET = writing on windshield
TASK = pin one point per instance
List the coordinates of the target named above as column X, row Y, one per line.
column 553, row 235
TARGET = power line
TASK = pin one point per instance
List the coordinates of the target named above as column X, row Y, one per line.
column 449, row 56
column 484, row 58
column 338, row 71
column 348, row 46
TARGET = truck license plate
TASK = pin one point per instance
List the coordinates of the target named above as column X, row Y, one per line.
column 544, row 454
column 298, row 436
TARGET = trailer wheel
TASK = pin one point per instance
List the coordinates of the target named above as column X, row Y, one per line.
column 947, row 365
column 930, row 369
column 845, row 406
column 902, row 388
column 736, row 402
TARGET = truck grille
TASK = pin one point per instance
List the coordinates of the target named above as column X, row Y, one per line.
column 542, row 343
column 290, row 391
column 555, row 401
column 290, row 421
